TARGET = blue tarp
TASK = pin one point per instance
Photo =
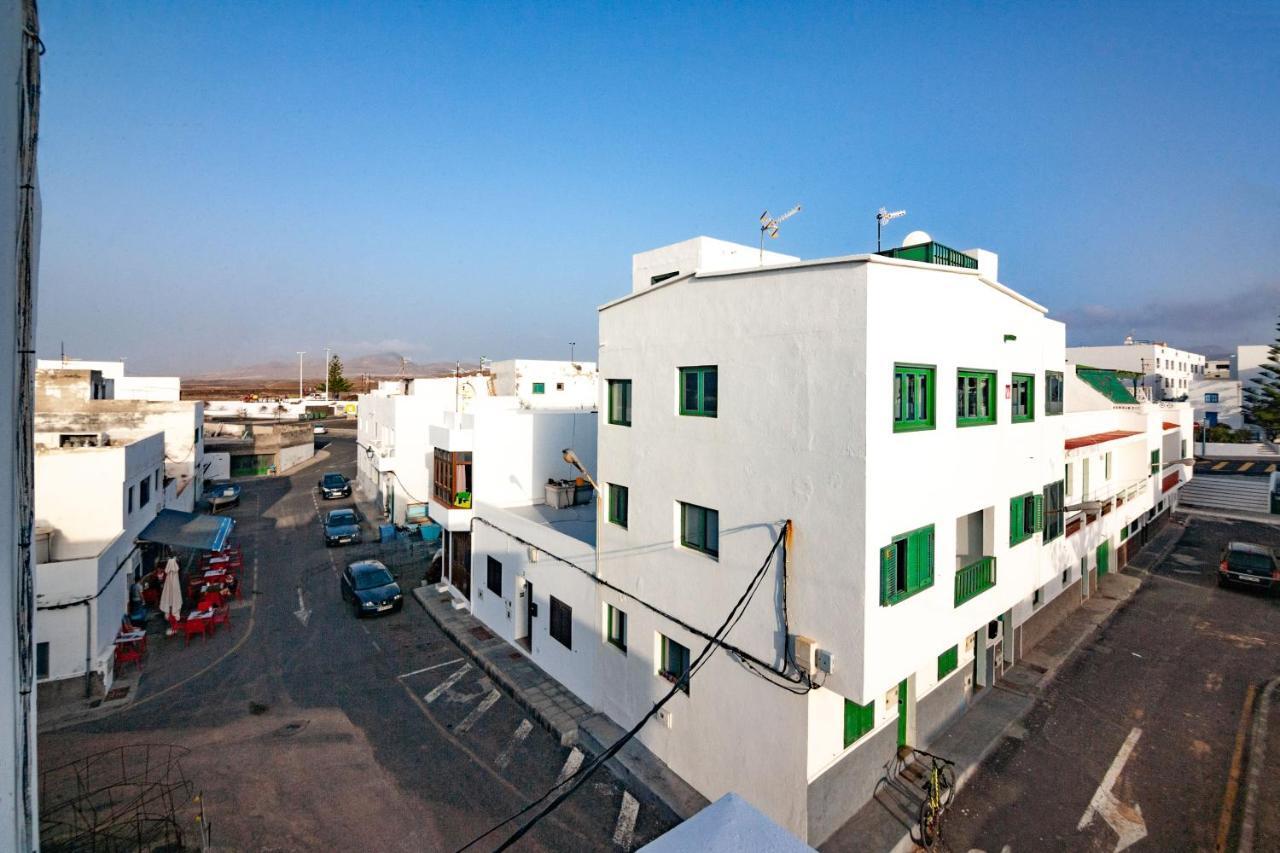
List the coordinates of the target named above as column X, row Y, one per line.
column 189, row 530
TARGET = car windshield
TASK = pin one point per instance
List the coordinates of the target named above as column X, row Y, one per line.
column 342, row 516
column 1254, row 564
column 372, row 577
column 334, row 481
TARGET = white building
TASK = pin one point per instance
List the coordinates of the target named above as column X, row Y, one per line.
column 92, row 501
column 1246, row 363
column 1217, row 368
column 929, row 543
column 120, row 386
column 1166, row 372
column 561, row 385
column 1218, row 402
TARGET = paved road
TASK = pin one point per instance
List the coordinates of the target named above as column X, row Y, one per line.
column 1253, row 467
column 344, row 734
column 1150, row 711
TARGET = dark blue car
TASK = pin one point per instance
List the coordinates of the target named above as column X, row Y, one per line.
column 341, row 527
column 370, row 588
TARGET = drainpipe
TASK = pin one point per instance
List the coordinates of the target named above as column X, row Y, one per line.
column 88, row 649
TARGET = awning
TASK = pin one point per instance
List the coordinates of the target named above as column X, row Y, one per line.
column 189, row 530
column 728, row 825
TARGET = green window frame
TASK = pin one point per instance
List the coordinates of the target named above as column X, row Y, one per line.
column 700, row 529
column 539, row 387
column 616, row 627
column 858, row 720
column 1155, row 461
column 914, row 396
column 1024, row 397
column 620, row 402
column 674, row 663
column 975, row 397
column 1026, row 517
column 1054, row 390
column 948, row 661
column 906, row 565
column 699, row 391
column 1054, row 519
column 619, row 500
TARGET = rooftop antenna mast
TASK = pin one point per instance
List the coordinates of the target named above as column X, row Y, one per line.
column 770, row 224
column 881, row 218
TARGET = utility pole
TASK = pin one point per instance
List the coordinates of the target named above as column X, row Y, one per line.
column 300, row 355
column 326, row 374
column 572, row 344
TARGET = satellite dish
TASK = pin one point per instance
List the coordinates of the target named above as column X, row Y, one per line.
column 915, row 238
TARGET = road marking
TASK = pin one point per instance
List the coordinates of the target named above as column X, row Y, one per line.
column 1219, row 466
column 429, row 668
column 1233, row 778
column 1126, row 820
column 375, row 645
column 1245, row 467
column 522, row 732
column 571, row 765
column 478, row 711
column 440, row 688
column 303, row 614
column 625, row 829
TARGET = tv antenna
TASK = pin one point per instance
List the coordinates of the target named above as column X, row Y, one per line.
column 881, row 218
column 770, row 224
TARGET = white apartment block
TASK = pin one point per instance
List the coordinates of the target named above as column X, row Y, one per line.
column 120, row 386
column 1166, row 372
column 954, row 488
column 1218, row 402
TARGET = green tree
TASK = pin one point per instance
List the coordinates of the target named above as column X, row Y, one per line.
column 337, row 382
column 1262, row 397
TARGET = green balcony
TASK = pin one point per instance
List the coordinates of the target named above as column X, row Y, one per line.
column 975, row 578
column 932, row 253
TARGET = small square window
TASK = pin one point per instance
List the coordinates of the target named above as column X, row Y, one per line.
column 561, row 622
column 539, row 387
column 616, row 627
column 675, row 662
column 700, row 529
column 906, row 566
column 618, row 499
column 559, row 386
column 975, row 397
column 699, row 391
column 914, row 393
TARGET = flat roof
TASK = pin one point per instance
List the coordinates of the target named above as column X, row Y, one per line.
column 577, row 521
column 1098, row 438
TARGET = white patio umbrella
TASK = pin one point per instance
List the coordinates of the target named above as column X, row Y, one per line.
column 171, row 595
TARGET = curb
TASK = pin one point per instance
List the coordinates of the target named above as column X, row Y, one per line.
column 1256, row 517
column 1257, row 760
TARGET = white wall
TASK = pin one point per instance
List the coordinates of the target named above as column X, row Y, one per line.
column 517, row 451
column 566, row 385
column 700, row 254
column 1229, row 406
column 1171, row 371
column 295, row 455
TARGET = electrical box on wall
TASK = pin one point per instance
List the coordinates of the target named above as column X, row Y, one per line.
column 824, row 660
column 804, row 650
column 665, row 717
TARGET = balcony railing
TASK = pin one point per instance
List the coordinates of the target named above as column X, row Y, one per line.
column 975, row 578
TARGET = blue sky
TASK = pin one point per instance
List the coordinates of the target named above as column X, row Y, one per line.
column 228, row 183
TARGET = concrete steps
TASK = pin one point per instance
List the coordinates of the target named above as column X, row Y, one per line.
column 1244, row 493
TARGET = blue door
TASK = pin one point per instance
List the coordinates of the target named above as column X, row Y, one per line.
column 1211, row 419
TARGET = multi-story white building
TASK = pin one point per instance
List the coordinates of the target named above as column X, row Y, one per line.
column 1218, row 402
column 953, row 486
column 1164, row 371
column 119, row 386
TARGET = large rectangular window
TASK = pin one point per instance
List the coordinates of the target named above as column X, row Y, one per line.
column 1026, row 517
column 913, row 397
column 700, row 529
column 858, row 720
column 618, row 504
column 906, row 565
column 561, row 622
column 975, row 397
column 451, row 485
column 493, row 578
column 1053, row 392
column 620, row 402
column 698, row 391
column 675, row 662
column 1054, row 517
column 616, row 627
column 144, row 492
column 1024, row 397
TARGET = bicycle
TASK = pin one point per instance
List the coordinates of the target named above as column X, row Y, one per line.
column 940, row 789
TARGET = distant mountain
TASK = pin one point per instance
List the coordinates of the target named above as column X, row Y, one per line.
column 385, row 364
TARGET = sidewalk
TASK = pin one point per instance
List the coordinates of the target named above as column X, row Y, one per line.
column 1260, row 821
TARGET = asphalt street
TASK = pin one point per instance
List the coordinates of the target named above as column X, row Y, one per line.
column 1136, row 742
column 310, row 729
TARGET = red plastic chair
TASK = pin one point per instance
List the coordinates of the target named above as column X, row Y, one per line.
column 221, row 615
column 190, row 627
column 127, row 653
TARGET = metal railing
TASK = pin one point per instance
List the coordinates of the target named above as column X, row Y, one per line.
column 975, row 578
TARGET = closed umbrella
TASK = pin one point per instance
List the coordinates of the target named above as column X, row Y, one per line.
column 171, row 595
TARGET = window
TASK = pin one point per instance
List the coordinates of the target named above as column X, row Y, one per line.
column 42, row 660
column 1211, row 396
column 559, row 386
column 1037, row 597
column 948, row 661
column 620, row 402
column 618, row 504
column 913, row 396
column 1054, row 517
column 858, row 720
column 616, row 625
column 144, row 492
column 1068, row 479
column 1024, row 397
column 561, row 622
column 493, row 580
column 1066, row 576
column 674, row 662
column 700, row 529
column 131, row 499
column 1155, row 461
column 451, row 485
column 698, row 391
column 975, row 397
column 659, row 279
column 906, row 565
column 539, row 387
column 1182, row 449
column 1052, row 392
column 197, row 435
column 1026, row 516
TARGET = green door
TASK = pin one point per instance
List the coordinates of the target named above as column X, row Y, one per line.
column 1104, row 552
column 902, row 713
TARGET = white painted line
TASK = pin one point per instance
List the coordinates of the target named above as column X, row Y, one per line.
column 478, row 711
column 446, row 684
column 303, row 614
column 571, row 765
column 375, row 645
column 625, row 829
column 1126, row 820
column 429, row 668
column 522, row 732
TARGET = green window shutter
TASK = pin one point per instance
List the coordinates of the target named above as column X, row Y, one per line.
column 888, row 573
column 858, row 720
column 1039, row 516
column 948, row 661
column 926, row 559
column 1015, row 521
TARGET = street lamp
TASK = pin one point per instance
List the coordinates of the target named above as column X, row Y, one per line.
column 300, row 355
column 572, row 459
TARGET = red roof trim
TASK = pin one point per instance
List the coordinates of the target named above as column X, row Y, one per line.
column 1097, row 438
column 1169, row 482
column 1169, row 426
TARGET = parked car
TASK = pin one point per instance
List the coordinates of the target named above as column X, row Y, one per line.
column 1249, row 565
column 319, row 429
column 334, row 485
column 370, row 588
column 341, row 527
